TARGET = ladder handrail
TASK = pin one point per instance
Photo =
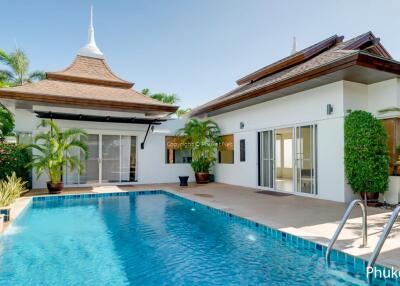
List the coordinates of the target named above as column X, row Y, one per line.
column 343, row 222
column 384, row 235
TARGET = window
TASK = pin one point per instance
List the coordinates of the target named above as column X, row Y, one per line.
column 225, row 150
column 392, row 127
column 175, row 151
column 242, row 150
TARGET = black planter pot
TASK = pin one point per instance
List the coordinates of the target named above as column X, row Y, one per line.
column 183, row 181
column 55, row 188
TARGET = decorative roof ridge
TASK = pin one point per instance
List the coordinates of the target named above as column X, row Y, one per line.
column 75, row 73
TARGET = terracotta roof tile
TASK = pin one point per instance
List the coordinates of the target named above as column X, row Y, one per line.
column 86, row 80
column 60, row 88
column 89, row 69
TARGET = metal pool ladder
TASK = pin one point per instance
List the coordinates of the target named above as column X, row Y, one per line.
column 343, row 222
column 383, row 237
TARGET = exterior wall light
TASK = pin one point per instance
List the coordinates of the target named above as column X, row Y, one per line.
column 329, row 109
column 241, row 125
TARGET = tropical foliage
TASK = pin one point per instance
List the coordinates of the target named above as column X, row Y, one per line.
column 366, row 153
column 161, row 96
column 11, row 188
column 202, row 137
column 14, row 158
column 7, row 122
column 182, row 111
column 168, row 99
column 18, row 69
column 55, row 151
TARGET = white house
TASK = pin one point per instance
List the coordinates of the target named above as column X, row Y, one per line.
column 127, row 130
column 286, row 120
column 284, row 123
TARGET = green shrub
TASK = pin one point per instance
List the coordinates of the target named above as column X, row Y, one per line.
column 366, row 153
column 14, row 158
column 11, row 188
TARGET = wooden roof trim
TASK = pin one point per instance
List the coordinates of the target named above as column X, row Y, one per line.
column 360, row 58
column 58, row 76
column 368, row 41
column 292, row 60
column 83, row 102
column 368, row 60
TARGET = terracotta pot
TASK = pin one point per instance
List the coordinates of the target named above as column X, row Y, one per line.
column 201, row 178
column 372, row 198
column 55, row 188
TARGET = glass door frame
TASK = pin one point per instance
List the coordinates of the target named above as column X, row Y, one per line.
column 271, row 158
column 297, row 160
column 100, row 159
column 294, row 159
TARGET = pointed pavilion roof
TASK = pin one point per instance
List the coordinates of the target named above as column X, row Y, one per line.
column 87, row 83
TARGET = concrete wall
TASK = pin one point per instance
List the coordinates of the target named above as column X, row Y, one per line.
column 308, row 107
column 151, row 163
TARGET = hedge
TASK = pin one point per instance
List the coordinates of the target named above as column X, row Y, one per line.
column 366, row 153
column 13, row 158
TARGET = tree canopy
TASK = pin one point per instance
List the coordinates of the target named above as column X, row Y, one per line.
column 17, row 69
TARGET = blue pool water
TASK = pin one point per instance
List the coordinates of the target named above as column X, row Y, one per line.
column 152, row 240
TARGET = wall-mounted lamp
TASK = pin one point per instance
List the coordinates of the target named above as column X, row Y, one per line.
column 329, row 109
column 241, row 125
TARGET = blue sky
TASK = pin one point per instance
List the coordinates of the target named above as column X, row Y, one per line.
column 194, row 48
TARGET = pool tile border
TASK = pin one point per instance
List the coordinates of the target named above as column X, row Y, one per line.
column 357, row 265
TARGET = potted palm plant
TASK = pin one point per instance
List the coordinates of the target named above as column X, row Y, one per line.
column 54, row 153
column 202, row 137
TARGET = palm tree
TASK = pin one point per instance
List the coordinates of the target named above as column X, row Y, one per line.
column 17, row 74
column 203, row 137
column 55, row 151
column 161, row 96
column 182, row 111
column 7, row 122
column 166, row 98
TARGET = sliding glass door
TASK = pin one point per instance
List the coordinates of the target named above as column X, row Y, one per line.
column 91, row 174
column 287, row 159
column 111, row 159
column 267, row 159
column 306, row 159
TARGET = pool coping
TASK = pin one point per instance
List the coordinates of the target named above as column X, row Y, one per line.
column 337, row 256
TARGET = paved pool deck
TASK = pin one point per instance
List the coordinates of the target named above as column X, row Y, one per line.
column 309, row 218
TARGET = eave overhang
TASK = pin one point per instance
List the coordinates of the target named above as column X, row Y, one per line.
column 98, row 118
column 359, row 67
column 84, row 102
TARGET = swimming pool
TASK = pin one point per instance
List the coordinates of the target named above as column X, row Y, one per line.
column 156, row 238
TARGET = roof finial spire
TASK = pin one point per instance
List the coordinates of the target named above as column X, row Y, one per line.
column 294, row 47
column 91, row 49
